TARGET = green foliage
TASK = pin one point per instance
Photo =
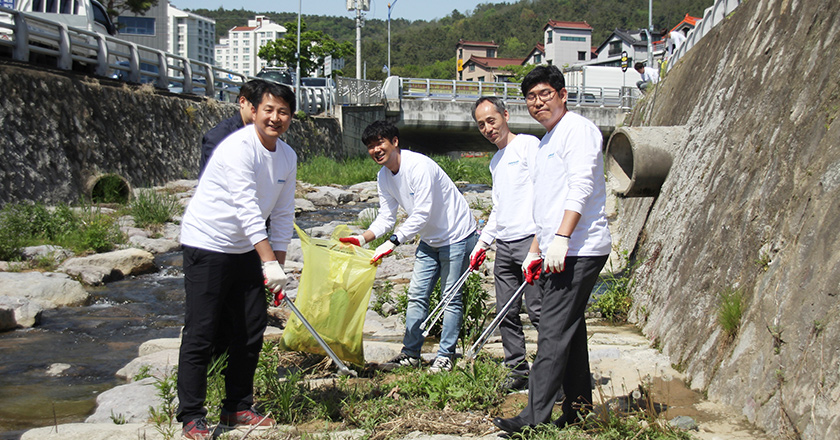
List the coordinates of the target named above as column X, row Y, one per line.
column 116, row 8
column 383, row 294
column 118, row 419
column 444, row 69
column 29, row 224
column 144, row 372
column 615, row 302
column 314, row 47
column 470, row 169
column 321, row 170
column 150, row 207
column 163, row 417
column 472, row 387
column 729, row 311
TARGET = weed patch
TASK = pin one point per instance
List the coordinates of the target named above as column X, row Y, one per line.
column 151, row 208
column 729, row 311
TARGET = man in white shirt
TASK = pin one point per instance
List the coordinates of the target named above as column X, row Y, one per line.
column 441, row 216
column 650, row 76
column 229, row 259
column 512, row 227
column 674, row 39
column 571, row 245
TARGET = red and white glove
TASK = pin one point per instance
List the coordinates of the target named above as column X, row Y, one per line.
column 382, row 250
column 555, row 256
column 531, row 267
column 358, row 240
column 275, row 276
column 478, row 254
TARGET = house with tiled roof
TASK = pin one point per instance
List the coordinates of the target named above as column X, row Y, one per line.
column 536, row 55
column 634, row 42
column 466, row 49
column 567, row 42
column 488, row 69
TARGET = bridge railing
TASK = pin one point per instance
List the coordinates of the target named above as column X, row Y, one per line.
column 28, row 36
column 352, row 91
column 711, row 17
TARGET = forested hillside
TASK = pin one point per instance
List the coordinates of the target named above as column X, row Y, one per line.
column 427, row 48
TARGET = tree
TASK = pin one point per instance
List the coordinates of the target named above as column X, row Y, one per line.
column 117, row 7
column 314, row 47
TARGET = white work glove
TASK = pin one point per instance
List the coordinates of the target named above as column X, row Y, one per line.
column 555, row 256
column 478, row 254
column 358, row 240
column 382, row 250
column 275, row 276
column 531, row 267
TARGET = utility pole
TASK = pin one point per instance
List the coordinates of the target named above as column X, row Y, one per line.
column 650, row 33
column 390, row 5
column 358, row 6
column 297, row 58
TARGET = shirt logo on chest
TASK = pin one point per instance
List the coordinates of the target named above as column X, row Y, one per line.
column 281, row 181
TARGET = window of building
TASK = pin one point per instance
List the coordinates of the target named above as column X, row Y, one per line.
column 537, row 59
column 581, row 56
column 615, row 48
column 481, row 78
column 549, row 36
column 472, row 67
column 246, row 58
column 567, row 38
column 491, row 53
column 136, row 25
column 247, row 42
column 461, row 53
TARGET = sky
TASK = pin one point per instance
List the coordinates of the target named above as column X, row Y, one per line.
column 408, row 9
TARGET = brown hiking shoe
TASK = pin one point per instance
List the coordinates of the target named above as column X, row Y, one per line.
column 248, row 417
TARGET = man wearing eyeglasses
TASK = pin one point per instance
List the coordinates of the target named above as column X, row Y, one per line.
column 571, row 246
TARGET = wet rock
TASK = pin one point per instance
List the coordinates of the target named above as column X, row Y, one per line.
column 48, row 289
column 159, row 364
column 303, row 205
column 329, row 196
column 155, row 245
column 57, row 369
column 129, row 402
column 99, row 268
column 157, row 345
column 366, row 191
column 93, row 431
column 19, row 312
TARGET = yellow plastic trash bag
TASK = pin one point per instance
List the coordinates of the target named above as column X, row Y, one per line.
column 333, row 296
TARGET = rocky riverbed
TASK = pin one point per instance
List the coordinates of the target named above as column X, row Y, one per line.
column 620, row 356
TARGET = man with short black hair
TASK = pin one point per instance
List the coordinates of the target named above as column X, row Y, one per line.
column 512, row 227
column 441, row 216
column 649, row 76
column 229, row 260
column 571, row 246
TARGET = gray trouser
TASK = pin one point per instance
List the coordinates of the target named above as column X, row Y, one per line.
column 562, row 354
column 508, row 273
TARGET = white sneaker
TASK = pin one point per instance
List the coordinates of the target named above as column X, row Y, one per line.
column 441, row 363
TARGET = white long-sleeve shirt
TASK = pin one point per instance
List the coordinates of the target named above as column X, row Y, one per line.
column 513, row 191
column 242, row 185
column 674, row 42
column 650, row 74
column 569, row 175
column 436, row 209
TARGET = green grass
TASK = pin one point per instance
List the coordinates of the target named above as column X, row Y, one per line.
column 730, row 310
column 151, row 208
column 614, row 304
column 324, row 171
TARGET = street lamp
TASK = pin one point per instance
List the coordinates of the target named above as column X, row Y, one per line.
column 390, row 5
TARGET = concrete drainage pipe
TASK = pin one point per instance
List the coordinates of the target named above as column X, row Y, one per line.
column 639, row 158
column 108, row 188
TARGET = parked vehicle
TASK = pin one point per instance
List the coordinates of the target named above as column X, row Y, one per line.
column 281, row 76
column 317, row 82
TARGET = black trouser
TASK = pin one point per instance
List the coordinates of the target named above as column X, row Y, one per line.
column 562, row 354
column 507, row 270
column 222, row 290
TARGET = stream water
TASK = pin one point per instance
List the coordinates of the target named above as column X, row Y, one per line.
column 97, row 340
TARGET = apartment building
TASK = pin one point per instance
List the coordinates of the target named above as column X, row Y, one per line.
column 191, row 35
column 238, row 51
column 567, row 42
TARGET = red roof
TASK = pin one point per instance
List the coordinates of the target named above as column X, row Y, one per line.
column 687, row 20
column 494, row 63
column 242, row 28
column 477, row 43
column 568, row 24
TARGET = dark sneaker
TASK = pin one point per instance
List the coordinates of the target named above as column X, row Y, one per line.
column 196, row 430
column 515, row 383
column 248, row 418
column 401, row 360
column 441, row 363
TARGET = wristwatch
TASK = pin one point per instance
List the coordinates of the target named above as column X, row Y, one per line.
column 394, row 240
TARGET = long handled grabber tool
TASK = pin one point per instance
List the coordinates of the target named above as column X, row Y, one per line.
column 342, row 369
column 476, row 347
column 445, row 299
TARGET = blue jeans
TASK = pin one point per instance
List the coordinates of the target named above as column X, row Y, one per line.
column 447, row 263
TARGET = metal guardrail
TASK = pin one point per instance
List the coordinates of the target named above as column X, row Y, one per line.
column 29, row 36
column 352, row 91
column 452, row 90
column 711, row 17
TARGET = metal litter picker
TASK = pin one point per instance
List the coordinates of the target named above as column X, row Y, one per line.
column 476, row 347
column 445, row 299
column 342, row 369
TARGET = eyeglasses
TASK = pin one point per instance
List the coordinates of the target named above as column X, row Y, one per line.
column 545, row 95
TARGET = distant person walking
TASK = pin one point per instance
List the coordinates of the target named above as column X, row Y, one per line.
column 512, row 227
column 223, row 129
column 571, row 245
column 673, row 41
column 229, row 259
column 649, row 76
